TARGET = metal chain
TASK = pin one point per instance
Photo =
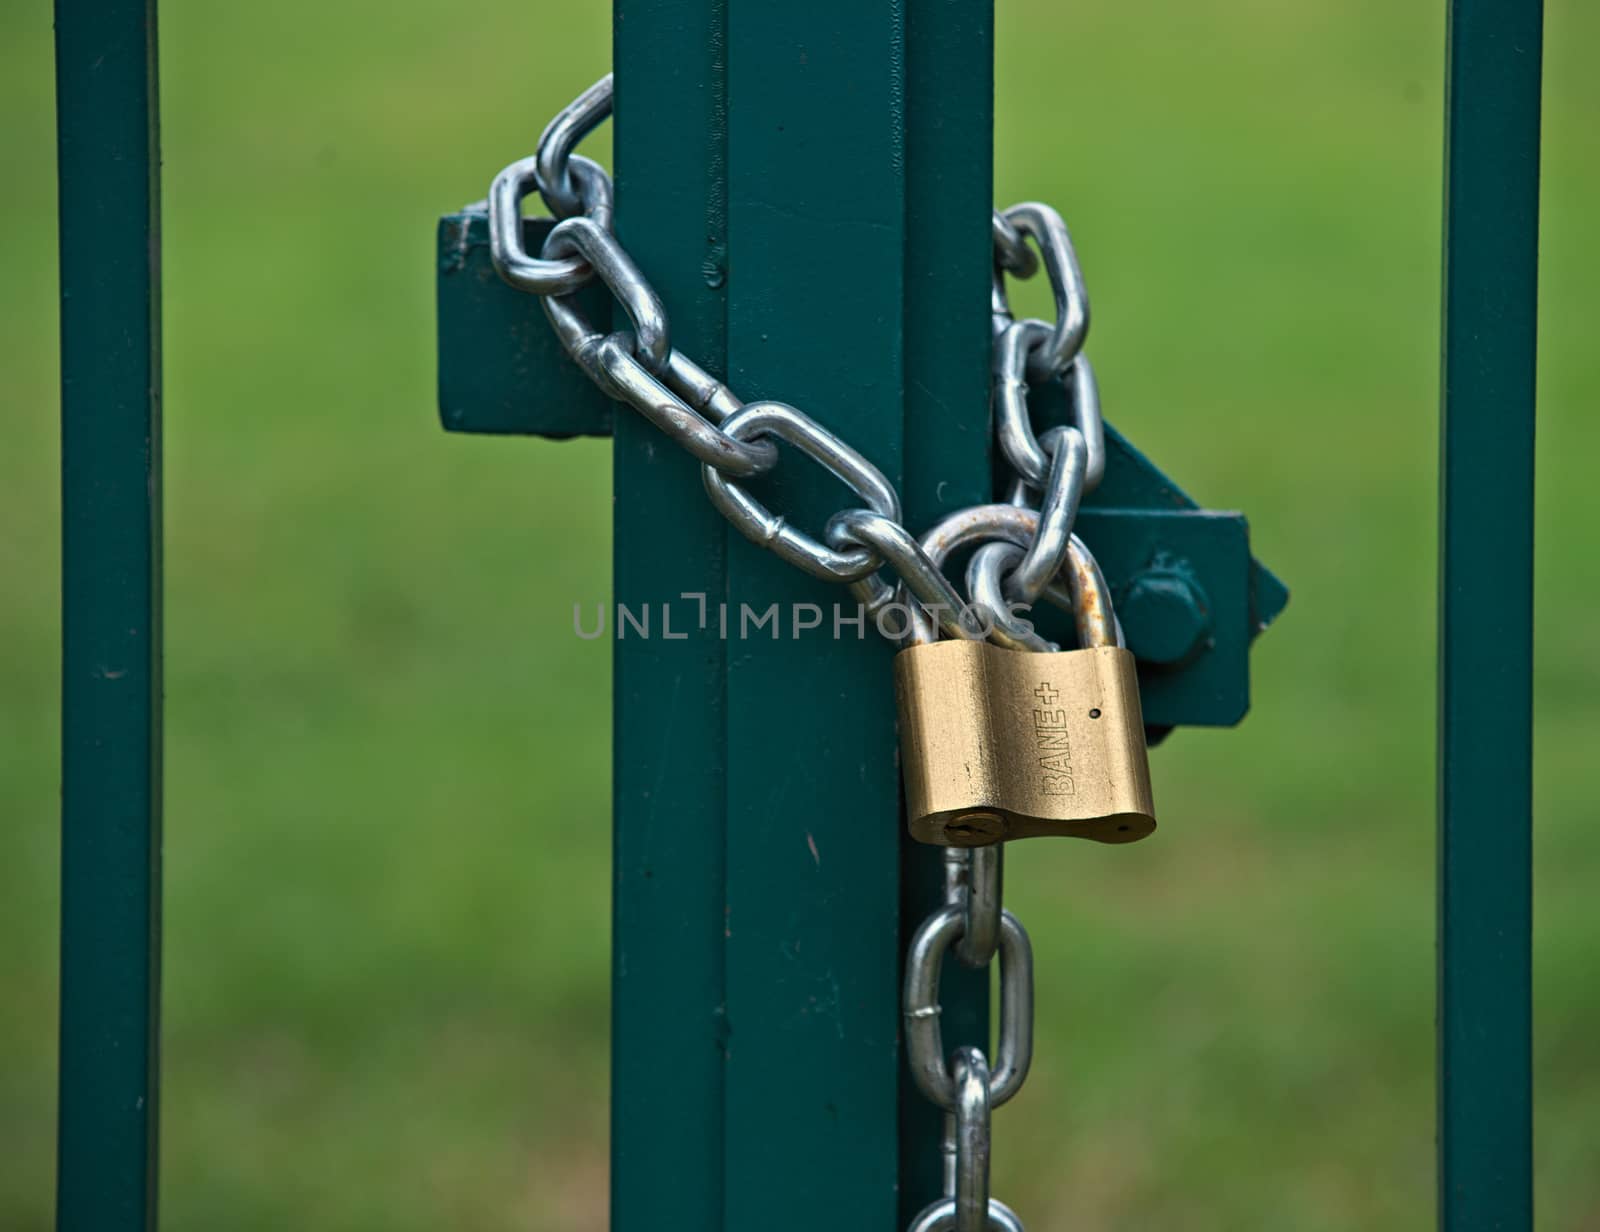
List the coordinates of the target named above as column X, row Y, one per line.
column 734, row 440
column 1023, row 553
column 978, row 928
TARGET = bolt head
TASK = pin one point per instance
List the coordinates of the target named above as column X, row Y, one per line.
column 1165, row 618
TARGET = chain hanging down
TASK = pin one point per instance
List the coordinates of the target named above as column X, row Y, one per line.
column 1025, row 552
column 966, row 1086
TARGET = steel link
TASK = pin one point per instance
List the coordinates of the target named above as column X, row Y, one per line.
column 1013, row 424
column 949, row 1155
column 700, row 389
column 1063, row 489
column 975, row 525
column 1084, row 593
column 1055, row 592
column 919, row 574
column 941, row 1217
column 1083, row 395
column 560, row 137
column 1047, row 229
column 924, row 1036
column 1011, row 251
column 967, row 527
column 971, row 1074
column 612, row 363
column 986, row 584
column 973, row 881
column 875, row 595
column 610, row 262
column 511, row 258
column 757, row 524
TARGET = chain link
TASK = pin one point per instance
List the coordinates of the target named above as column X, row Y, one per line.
column 1045, row 227
column 984, row 583
column 970, row 1070
column 753, row 520
column 973, row 877
column 941, row 1217
column 511, row 257
column 1022, row 554
column 553, row 162
column 925, row 1035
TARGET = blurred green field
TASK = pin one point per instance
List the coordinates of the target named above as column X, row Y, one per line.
column 386, row 991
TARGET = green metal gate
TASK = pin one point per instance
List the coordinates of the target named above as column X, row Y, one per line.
column 765, row 136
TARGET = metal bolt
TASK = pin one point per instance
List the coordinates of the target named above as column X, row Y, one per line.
column 1165, row 616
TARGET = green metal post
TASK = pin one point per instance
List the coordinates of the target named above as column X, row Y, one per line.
column 809, row 188
column 1486, row 616
column 816, row 263
column 669, row 1021
column 111, row 613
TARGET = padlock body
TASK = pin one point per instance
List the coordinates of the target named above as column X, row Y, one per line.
column 1000, row 744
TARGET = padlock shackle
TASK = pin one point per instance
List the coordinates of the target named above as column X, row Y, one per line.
column 1080, row 587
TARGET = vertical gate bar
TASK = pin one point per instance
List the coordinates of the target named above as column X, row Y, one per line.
column 949, row 257
column 670, row 754
column 816, row 234
column 108, row 169
column 1486, row 616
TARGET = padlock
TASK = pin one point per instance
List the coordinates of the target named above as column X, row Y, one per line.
column 998, row 744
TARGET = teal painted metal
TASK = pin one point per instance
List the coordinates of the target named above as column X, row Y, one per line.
column 949, row 154
column 1133, row 482
column 111, row 613
column 816, row 275
column 670, row 737
column 501, row 367
column 1486, row 616
column 1212, row 549
column 1159, row 526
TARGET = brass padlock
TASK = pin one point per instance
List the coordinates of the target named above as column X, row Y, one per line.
column 998, row 744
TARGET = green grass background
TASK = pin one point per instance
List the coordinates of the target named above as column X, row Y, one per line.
column 387, row 815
